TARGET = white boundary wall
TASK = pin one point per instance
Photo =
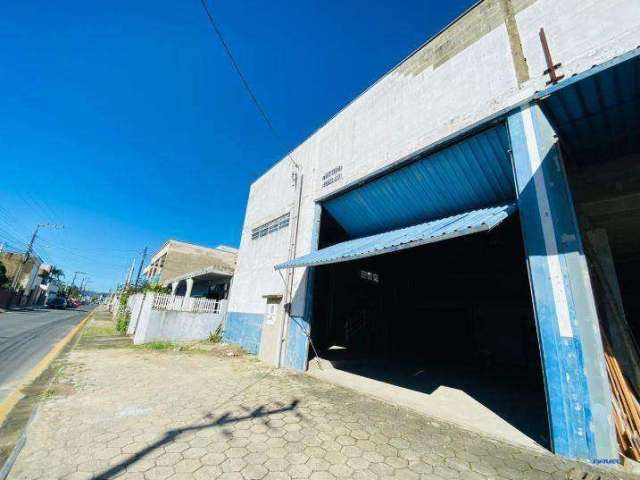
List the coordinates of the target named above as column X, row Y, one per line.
column 171, row 325
column 134, row 306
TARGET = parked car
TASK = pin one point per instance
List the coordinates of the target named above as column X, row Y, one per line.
column 57, row 303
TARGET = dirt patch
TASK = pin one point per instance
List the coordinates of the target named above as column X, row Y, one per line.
column 221, row 350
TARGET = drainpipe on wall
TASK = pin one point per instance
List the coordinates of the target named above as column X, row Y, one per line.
column 288, row 296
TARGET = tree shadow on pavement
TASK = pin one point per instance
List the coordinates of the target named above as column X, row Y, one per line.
column 171, row 435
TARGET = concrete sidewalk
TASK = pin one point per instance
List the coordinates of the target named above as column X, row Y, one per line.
column 140, row 414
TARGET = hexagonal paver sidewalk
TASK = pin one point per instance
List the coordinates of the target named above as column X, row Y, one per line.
column 133, row 414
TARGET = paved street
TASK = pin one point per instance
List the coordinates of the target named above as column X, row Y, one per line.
column 26, row 336
column 134, row 413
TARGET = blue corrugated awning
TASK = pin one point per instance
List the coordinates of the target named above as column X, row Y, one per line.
column 596, row 112
column 466, row 223
column 472, row 173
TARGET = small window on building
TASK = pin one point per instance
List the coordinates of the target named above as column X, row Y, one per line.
column 270, row 227
column 370, row 276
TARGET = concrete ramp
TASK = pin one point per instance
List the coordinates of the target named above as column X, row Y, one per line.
column 445, row 403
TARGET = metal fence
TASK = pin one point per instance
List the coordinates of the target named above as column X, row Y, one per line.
column 164, row 301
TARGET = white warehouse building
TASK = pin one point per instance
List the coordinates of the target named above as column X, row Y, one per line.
column 448, row 220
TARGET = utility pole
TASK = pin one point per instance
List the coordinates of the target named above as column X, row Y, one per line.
column 2, row 247
column 29, row 251
column 83, row 285
column 130, row 274
column 144, row 256
column 75, row 274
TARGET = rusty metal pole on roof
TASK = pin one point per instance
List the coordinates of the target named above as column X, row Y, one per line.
column 551, row 67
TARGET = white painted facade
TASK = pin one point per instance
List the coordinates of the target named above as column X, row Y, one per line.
column 414, row 106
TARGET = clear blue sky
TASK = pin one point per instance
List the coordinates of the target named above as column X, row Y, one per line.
column 124, row 120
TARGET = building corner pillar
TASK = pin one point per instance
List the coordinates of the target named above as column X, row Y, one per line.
column 577, row 387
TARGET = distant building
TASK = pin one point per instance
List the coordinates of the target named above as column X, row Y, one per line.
column 29, row 280
column 47, row 290
column 193, row 269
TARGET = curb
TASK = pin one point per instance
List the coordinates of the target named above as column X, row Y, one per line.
column 8, row 465
column 16, row 395
column 17, row 448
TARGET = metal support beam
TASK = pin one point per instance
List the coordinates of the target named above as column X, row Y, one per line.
column 578, row 392
column 299, row 328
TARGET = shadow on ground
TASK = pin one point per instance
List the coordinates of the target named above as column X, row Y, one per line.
column 171, row 435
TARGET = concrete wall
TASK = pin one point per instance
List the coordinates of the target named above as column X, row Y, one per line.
column 179, row 262
column 134, row 306
column 488, row 61
column 165, row 325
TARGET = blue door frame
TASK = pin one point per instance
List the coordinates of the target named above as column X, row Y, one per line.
column 577, row 388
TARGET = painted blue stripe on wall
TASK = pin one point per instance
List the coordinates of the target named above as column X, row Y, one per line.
column 244, row 329
column 297, row 343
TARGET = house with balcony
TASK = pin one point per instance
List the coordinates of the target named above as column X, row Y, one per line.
column 193, row 270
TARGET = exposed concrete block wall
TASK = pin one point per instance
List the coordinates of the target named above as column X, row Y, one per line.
column 182, row 257
column 180, row 260
column 487, row 62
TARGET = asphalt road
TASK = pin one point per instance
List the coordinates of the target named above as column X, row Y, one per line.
column 28, row 335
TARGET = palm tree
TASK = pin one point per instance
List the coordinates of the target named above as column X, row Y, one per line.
column 56, row 273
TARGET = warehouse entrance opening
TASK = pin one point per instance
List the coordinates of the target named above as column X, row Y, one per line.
column 597, row 126
column 606, row 192
column 449, row 325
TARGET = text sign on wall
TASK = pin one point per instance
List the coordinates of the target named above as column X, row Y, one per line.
column 332, row 176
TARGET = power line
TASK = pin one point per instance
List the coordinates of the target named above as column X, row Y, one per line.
column 13, row 220
column 84, row 257
column 12, row 248
column 9, row 230
column 38, row 204
column 47, row 208
column 97, row 253
column 28, row 202
column 243, row 79
column 11, row 238
column 29, row 250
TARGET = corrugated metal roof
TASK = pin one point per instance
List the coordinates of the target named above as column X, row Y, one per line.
column 475, row 172
column 429, row 232
column 596, row 112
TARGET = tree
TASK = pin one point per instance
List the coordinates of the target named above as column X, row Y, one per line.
column 4, row 280
column 56, row 273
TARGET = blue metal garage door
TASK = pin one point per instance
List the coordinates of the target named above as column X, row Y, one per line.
column 473, row 173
